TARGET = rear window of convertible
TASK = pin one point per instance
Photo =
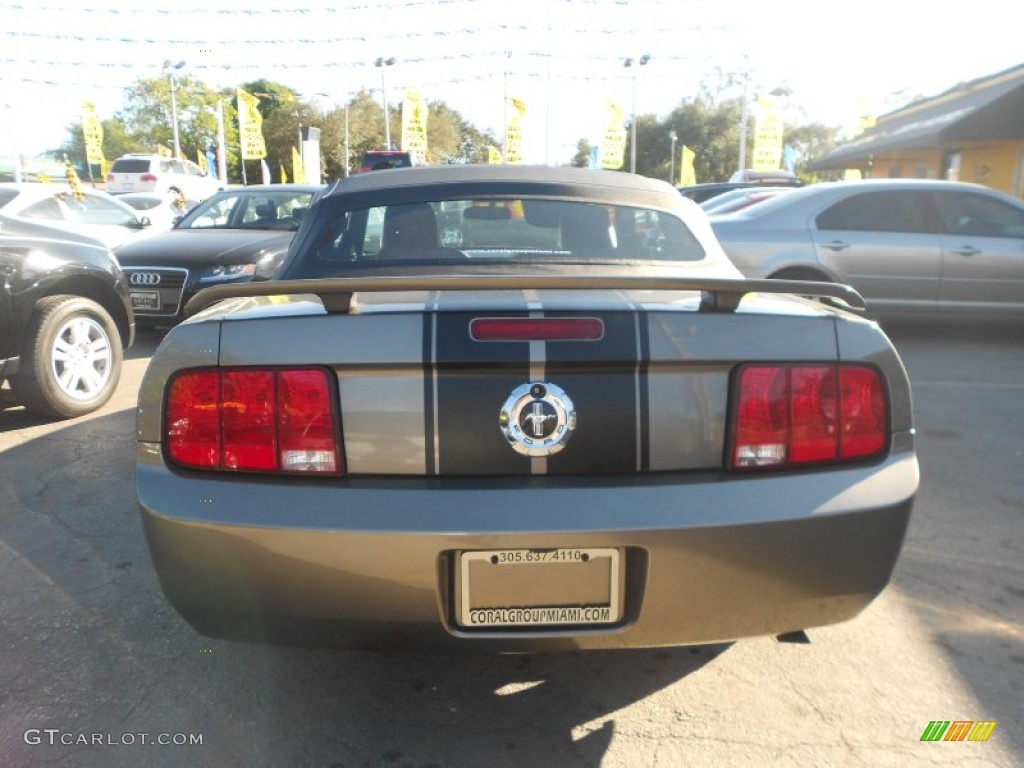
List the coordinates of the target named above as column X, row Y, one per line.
column 490, row 231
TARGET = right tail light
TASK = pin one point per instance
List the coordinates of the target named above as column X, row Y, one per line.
column 796, row 415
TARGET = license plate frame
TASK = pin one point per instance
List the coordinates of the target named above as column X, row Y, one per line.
column 145, row 299
column 539, row 588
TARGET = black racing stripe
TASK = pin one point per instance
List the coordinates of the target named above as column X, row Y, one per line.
column 644, row 394
column 428, row 390
column 600, row 378
column 474, row 380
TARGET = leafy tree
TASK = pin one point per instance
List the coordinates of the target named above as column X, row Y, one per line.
column 707, row 123
column 582, row 157
column 809, row 142
column 366, row 126
column 147, row 114
column 453, row 139
column 273, row 96
column 712, row 130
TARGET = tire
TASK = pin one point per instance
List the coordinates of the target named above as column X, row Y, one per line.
column 798, row 273
column 72, row 356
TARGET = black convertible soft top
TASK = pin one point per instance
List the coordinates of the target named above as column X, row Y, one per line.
column 581, row 180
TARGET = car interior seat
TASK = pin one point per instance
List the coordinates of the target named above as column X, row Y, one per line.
column 409, row 231
column 586, row 227
column 266, row 213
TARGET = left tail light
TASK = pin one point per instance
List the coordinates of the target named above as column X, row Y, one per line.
column 253, row 420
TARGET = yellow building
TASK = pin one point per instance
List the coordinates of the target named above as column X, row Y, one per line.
column 972, row 132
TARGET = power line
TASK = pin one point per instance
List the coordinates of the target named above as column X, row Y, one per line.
column 405, row 37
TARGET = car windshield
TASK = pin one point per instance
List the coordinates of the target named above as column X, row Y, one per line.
column 493, row 230
column 246, row 209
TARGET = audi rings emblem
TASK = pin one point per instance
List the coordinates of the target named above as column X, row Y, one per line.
column 538, row 419
column 144, row 278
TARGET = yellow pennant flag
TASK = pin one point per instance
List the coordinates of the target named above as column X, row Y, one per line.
column 687, row 174
column 163, row 151
column 201, row 158
column 414, row 123
column 493, row 155
column 284, row 176
column 93, row 132
column 767, row 155
column 73, row 180
column 867, row 119
column 613, row 146
column 250, row 126
column 298, row 171
column 515, row 109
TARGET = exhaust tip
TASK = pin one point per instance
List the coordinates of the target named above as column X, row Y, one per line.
column 800, row 637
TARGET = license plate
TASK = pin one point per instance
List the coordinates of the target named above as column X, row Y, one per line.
column 539, row 587
column 145, row 299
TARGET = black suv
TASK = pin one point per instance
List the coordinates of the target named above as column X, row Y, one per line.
column 65, row 318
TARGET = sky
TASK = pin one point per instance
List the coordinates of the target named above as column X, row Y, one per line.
column 563, row 58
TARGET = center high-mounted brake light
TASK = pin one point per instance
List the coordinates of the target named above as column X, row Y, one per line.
column 536, row 329
column 253, row 420
column 802, row 414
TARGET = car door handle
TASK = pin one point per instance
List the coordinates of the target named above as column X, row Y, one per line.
column 967, row 250
column 836, row 245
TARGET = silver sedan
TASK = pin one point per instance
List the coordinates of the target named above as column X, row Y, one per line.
column 904, row 244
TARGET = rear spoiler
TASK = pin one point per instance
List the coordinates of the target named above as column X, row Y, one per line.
column 717, row 294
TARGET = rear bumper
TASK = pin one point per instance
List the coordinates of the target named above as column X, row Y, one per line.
column 371, row 562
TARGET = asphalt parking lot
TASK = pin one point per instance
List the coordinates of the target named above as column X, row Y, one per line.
column 97, row 670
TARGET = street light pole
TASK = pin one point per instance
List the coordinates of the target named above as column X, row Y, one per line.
column 672, row 159
column 744, row 117
column 169, row 69
column 632, row 138
column 381, row 63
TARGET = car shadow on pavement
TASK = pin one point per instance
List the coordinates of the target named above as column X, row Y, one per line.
column 91, row 646
column 147, row 339
column 14, row 417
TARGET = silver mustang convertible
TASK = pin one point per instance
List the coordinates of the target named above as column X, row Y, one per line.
column 519, row 409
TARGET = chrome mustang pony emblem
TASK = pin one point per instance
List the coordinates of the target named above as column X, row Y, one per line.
column 538, row 419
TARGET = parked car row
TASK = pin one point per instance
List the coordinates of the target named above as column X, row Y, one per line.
column 905, row 245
